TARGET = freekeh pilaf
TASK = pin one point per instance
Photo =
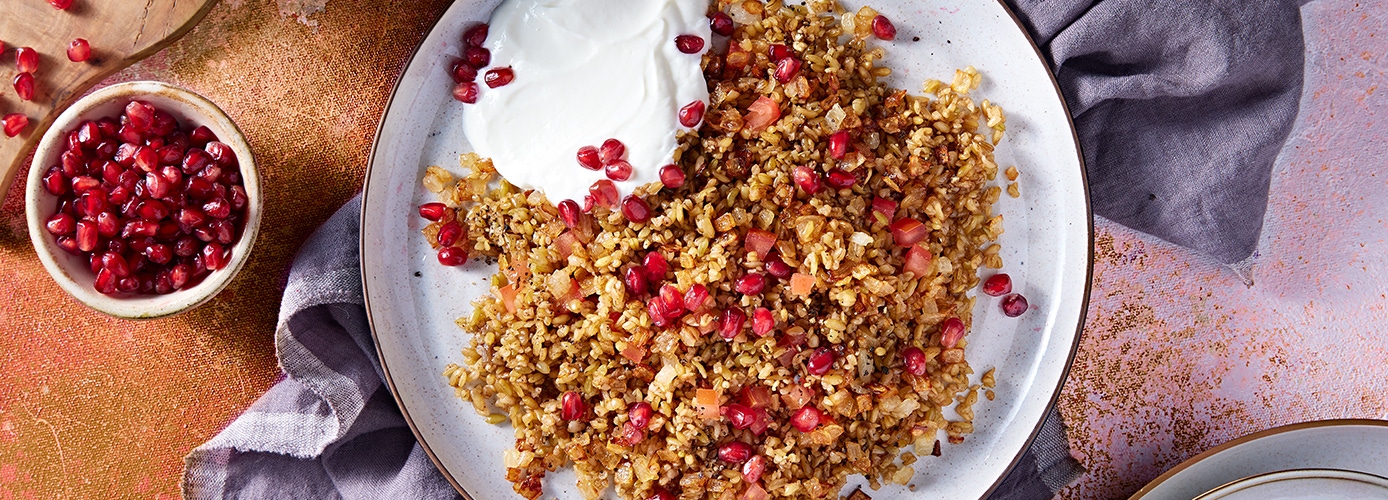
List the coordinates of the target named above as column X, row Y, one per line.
column 778, row 323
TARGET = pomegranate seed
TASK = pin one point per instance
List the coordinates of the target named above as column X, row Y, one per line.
column 146, row 158
column 640, row 414
column 107, row 224
column 159, row 253
column 618, row 170
column 477, row 57
column 449, row 233
column 156, row 186
column 762, row 322
column 672, row 176
column 82, row 184
column 224, row 229
column 786, row 69
column 838, row 144
column 116, row 264
column 656, row 266
column 735, row 452
column 185, row 246
column 820, row 362
column 740, row 416
column 238, row 198
column 1014, row 305
column 15, row 123
column 674, row 300
column 218, row 208
column 998, row 285
column 569, row 213
column 588, row 158
column 806, row 419
column 61, row 224
column 751, row 284
column 54, row 181
column 497, row 77
column 201, row 136
column 695, row 297
column 69, row 245
column 26, row 59
column 806, row 178
column 611, row 150
column 951, row 331
column 466, row 92
column 779, row 269
column 573, row 407
column 93, row 202
column 659, row 311
column 452, row 256
column 213, row 256
column 105, row 281
column 475, row 35
column 195, row 161
column 631, row 435
column 907, row 231
column 635, row 209
column 883, row 28
column 914, row 360
column 840, row 179
column 79, row 50
column 588, row 202
column 721, row 23
column 752, row 469
column 221, row 153
column 689, row 44
column 139, row 116
column 60, row 4
column 604, row 193
column 86, row 235
column 661, row 494
column 198, row 187
column 169, row 155
column 731, row 322
column 432, row 210
column 24, row 86
column 87, row 135
column 190, row 217
column 636, row 281
column 691, row 114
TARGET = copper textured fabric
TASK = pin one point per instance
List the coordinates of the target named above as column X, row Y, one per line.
column 95, row 407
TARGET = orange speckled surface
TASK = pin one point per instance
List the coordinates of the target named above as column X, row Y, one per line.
column 1178, row 355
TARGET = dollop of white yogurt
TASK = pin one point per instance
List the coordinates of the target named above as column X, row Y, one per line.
column 586, row 71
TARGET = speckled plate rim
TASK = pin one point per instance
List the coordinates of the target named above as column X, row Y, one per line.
column 1192, row 461
column 1055, row 394
column 1291, row 474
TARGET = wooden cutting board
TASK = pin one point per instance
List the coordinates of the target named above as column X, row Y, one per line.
column 120, row 32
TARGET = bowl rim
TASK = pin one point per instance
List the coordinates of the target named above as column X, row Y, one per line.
column 141, row 306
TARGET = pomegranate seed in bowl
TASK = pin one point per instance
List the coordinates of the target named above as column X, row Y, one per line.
column 806, row 419
column 1014, row 305
column 477, row 57
column 821, row 361
column 475, row 35
column 572, row 406
column 569, row 213
column 838, row 145
column 60, row 4
column 604, row 193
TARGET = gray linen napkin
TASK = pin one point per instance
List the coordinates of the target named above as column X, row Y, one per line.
column 330, row 429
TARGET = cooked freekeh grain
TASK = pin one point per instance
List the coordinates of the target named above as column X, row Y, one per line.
column 562, row 318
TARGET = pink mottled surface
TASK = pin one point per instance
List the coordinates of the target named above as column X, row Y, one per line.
column 1179, row 355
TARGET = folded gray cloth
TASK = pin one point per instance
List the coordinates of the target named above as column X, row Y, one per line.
column 1181, row 108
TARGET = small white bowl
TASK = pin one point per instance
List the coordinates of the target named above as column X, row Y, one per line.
column 72, row 272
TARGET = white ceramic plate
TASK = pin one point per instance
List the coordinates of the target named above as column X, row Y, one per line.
column 1320, row 484
column 1348, row 445
column 412, row 301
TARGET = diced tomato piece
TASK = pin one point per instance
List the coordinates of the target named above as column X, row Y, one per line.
column 759, row 241
column 801, row 284
column 918, row 260
column 762, row 113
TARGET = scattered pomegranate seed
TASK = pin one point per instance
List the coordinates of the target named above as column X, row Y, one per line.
column 735, row 452
column 914, row 360
column 661, row 494
column 618, row 170
column 838, row 145
column 449, row 233
column 674, row 300
column 840, row 179
column 779, row 269
column 731, row 322
column 573, row 407
column 763, row 322
column 463, row 72
column 611, row 150
column 636, row 281
column 695, row 297
column 786, row 69
column 672, row 176
column 604, row 193
column 588, row 158
column 476, row 35
column 60, row 4
column 689, row 44
column 753, row 468
column 659, row 311
column 806, row 178
column 740, row 416
column 883, row 28
column 778, row 51
column 432, row 211
column 751, row 284
column 907, row 231
column 806, row 419
column 631, row 435
column 691, row 114
column 655, row 266
column 635, row 209
column 477, row 57
column 497, row 77
column 721, row 23
column 452, row 256
column 820, row 362
column 79, row 50
column 26, row 60
column 640, row 414
column 569, row 213
column 466, row 92
column 1014, row 305
column 998, row 285
column 24, row 86
column 951, row 331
